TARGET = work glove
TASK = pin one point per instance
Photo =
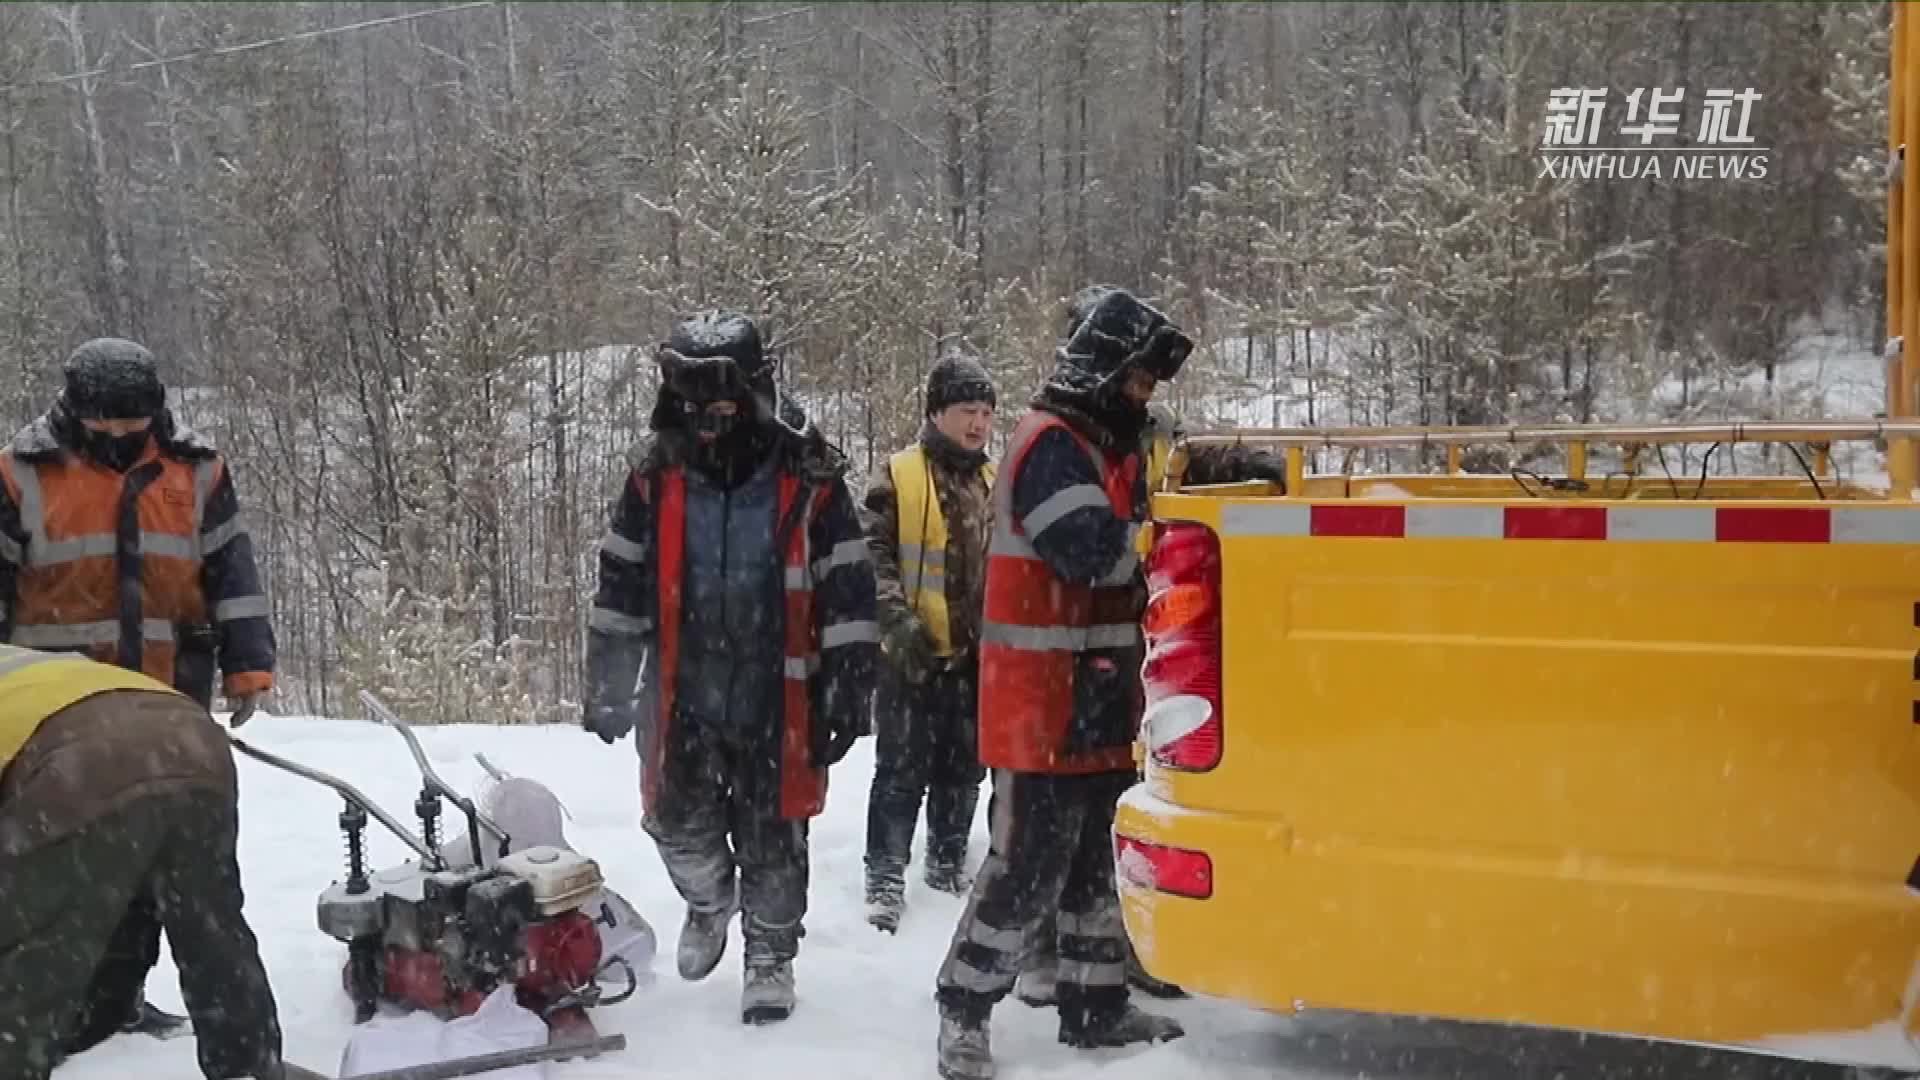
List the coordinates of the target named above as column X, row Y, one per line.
column 622, row 686
column 610, row 722
column 1262, row 465
column 1234, row 465
column 909, row 647
column 839, row 740
column 838, row 722
column 244, row 706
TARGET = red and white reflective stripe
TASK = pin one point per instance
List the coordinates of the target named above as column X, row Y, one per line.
column 1662, row 524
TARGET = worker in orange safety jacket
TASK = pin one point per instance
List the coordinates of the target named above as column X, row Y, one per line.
column 1060, row 694
column 121, row 539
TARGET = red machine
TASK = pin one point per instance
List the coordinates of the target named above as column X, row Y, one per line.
column 423, row 935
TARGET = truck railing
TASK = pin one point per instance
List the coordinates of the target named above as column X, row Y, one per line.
column 1576, row 438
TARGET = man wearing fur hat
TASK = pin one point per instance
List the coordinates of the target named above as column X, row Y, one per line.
column 736, row 576
column 1060, row 694
column 926, row 518
column 1212, row 464
column 121, row 539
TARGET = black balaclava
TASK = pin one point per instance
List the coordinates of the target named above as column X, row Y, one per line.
column 111, row 379
column 712, row 357
column 740, row 442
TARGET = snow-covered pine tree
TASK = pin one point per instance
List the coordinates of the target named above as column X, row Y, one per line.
column 758, row 232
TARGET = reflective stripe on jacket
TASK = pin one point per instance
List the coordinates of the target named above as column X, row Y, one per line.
column 803, row 787
column 170, row 525
column 1042, row 633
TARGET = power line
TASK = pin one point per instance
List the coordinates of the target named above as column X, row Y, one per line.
column 231, row 50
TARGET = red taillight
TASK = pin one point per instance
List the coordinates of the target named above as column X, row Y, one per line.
column 1166, row 869
column 1183, row 668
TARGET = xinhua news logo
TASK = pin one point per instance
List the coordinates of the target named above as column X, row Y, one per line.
column 1651, row 141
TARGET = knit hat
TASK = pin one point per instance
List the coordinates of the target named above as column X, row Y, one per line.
column 112, row 379
column 959, row 379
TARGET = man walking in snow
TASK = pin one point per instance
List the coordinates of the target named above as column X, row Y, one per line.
column 113, row 785
column 735, row 568
column 1205, row 465
column 121, row 538
column 1060, row 694
column 926, row 517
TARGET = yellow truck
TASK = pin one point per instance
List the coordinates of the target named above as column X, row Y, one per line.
column 1619, row 754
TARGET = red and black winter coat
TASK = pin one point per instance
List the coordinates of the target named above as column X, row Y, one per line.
column 827, row 621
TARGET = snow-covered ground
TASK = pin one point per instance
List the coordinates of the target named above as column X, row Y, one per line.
column 866, row 1005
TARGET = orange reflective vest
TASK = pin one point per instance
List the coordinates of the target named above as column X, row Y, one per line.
column 90, row 528
column 1037, row 625
column 803, row 788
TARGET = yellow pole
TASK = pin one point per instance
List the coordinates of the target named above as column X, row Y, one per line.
column 1453, row 459
column 1896, row 102
column 1903, row 245
column 1577, row 461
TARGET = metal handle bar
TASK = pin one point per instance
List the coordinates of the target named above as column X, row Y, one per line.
column 346, row 790
column 379, row 711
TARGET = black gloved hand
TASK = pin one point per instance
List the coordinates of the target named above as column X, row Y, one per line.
column 839, row 741
column 1235, row 465
column 1265, row 465
column 244, row 706
column 610, row 722
column 908, row 645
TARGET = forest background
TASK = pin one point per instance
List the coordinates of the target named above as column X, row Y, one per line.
column 403, row 261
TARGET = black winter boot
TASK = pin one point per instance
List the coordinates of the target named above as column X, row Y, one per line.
column 886, row 900
column 949, row 876
column 950, row 810
column 149, row 1019
column 703, row 941
column 965, row 1048
column 767, row 994
column 1127, row 1026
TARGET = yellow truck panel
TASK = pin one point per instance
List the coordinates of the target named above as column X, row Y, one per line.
column 1611, row 751
column 1636, row 767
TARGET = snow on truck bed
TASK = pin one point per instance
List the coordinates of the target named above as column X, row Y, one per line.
column 866, row 1000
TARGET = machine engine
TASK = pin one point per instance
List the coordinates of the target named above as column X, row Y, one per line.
column 432, row 936
column 442, row 940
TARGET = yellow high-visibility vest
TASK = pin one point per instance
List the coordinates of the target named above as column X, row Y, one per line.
column 35, row 685
column 1159, row 452
column 1159, row 456
column 923, row 541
